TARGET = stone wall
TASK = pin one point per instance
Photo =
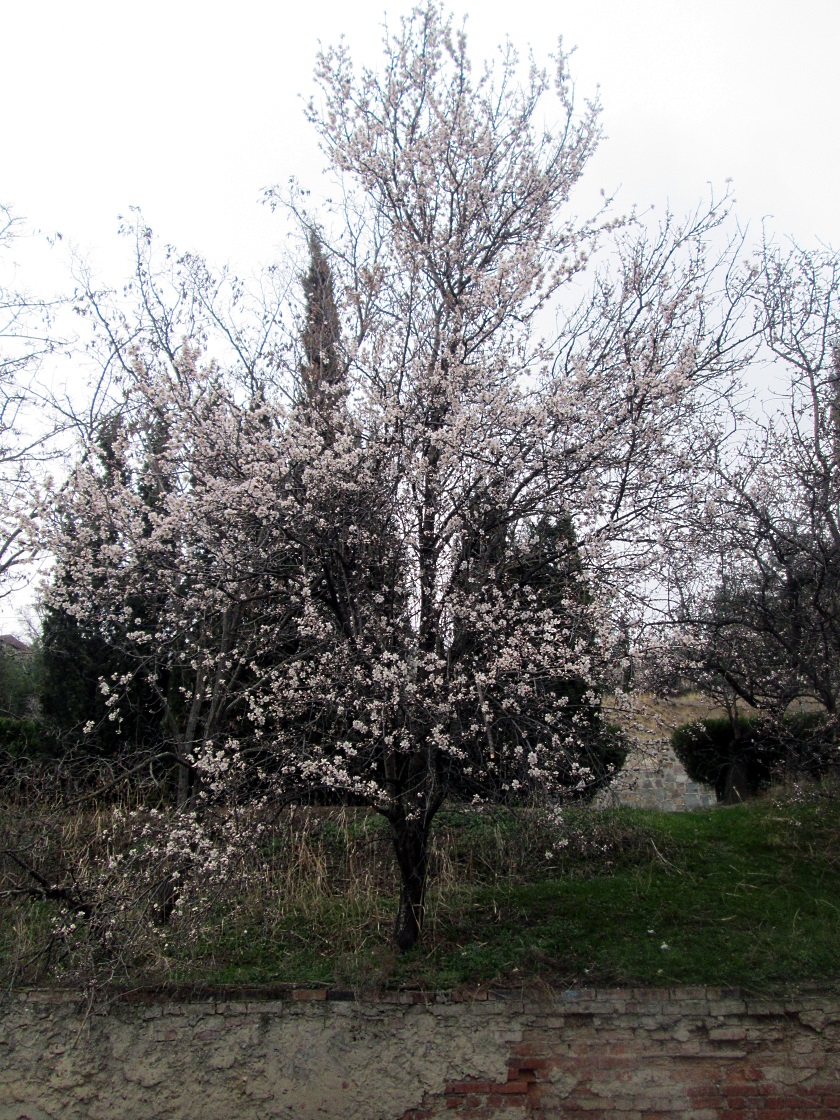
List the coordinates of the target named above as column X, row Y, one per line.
column 636, row 1055
column 653, row 777
column 656, row 779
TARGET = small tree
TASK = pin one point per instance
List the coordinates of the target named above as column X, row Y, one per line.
column 19, row 673
column 400, row 586
column 144, row 579
column 765, row 613
column 76, row 656
column 323, row 370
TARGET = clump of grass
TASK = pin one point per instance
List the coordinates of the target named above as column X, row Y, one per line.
column 496, row 845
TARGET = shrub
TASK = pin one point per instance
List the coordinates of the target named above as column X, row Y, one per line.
column 21, row 737
column 723, row 754
column 19, row 682
column 741, row 757
column 808, row 745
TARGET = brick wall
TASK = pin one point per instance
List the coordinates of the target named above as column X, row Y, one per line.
column 590, row 1055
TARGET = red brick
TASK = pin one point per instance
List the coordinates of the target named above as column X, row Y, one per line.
column 708, row 1099
column 471, row 1087
column 744, row 1089
column 527, row 1063
column 467, row 1103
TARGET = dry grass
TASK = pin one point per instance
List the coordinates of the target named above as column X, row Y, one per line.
column 318, row 885
column 739, row 894
column 650, row 719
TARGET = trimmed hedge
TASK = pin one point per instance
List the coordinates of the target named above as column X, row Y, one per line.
column 740, row 758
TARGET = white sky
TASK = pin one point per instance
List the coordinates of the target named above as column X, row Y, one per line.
column 189, row 109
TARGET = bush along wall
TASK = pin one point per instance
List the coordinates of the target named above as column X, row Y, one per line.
column 740, row 757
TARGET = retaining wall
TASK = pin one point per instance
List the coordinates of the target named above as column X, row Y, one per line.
column 635, row 1055
column 656, row 779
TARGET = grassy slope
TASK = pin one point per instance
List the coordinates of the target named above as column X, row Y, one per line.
column 734, row 902
column 746, row 896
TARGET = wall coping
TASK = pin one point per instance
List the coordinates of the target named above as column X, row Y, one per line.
column 254, row 995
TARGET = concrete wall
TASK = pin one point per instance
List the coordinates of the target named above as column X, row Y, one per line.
column 635, row 1055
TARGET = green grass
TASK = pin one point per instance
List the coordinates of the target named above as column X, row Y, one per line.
column 747, row 896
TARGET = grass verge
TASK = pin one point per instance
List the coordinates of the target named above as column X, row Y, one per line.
column 747, row 896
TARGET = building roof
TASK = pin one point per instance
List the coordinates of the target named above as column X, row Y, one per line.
column 14, row 643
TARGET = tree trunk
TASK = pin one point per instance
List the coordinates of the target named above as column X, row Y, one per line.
column 186, row 785
column 411, row 843
column 737, row 788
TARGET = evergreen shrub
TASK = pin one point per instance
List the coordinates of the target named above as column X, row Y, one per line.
column 739, row 758
column 21, row 737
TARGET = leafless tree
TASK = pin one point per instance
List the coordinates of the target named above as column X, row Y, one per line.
column 27, row 427
column 763, row 612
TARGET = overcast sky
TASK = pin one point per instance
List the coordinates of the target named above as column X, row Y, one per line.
column 189, row 110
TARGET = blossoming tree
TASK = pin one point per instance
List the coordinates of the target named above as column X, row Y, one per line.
column 394, row 582
column 30, row 422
